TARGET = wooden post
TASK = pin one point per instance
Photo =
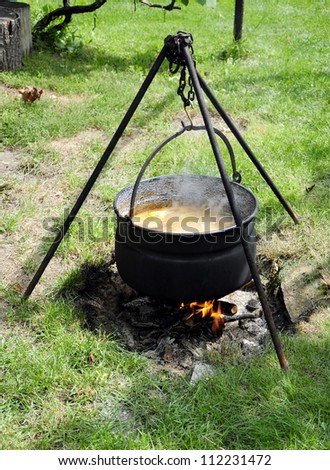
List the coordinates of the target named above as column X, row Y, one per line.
column 238, row 21
column 10, row 41
column 23, row 10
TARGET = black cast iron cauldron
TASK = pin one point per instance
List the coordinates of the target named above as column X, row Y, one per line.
column 183, row 267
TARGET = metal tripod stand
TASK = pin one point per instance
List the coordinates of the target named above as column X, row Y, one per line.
column 178, row 50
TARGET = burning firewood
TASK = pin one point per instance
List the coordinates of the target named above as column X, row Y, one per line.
column 30, row 94
column 214, row 309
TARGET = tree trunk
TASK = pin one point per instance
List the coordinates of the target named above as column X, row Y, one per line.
column 10, row 44
column 238, row 21
column 23, row 10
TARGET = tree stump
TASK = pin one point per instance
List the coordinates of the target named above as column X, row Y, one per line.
column 23, row 10
column 10, row 41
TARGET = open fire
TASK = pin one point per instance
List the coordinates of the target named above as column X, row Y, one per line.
column 214, row 309
column 160, row 330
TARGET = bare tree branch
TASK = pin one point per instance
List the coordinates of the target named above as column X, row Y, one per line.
column 169, row 7
column 67, row 11
column 68, row 16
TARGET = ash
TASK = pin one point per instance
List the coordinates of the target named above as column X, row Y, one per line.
column 164, row 332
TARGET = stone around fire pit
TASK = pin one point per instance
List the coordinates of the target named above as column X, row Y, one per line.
column 245, row 301
column 201, row 372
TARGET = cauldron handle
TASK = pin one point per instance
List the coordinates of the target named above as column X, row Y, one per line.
column 236, row 175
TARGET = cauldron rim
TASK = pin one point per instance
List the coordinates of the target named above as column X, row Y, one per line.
column 246, row 220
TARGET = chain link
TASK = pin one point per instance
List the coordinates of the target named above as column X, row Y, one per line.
column 191, row 92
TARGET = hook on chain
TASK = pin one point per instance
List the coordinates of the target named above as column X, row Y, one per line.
column 189, row 118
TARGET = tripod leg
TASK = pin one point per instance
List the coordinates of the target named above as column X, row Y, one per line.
column 246, row 148
column 70, row 218
column 227, row 185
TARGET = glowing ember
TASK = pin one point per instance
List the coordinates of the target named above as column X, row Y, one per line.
column 209, row 308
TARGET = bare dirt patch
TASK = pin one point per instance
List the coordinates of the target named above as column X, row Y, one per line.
column 9, row 168
column 34, row 190
column 29, row 197
column 305, row 287
column 46, row 94
column 9, row 162
column 71, row 147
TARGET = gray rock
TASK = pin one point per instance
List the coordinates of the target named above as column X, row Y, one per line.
column 201, row 372
column 249, row 347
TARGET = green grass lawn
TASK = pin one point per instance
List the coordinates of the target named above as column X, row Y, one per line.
column 276, row 86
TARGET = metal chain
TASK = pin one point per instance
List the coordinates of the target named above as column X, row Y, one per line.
column 182, row 85
column 176, row 61
column 187, row 100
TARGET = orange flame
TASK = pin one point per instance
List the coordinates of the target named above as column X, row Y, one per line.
column 209, row 308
